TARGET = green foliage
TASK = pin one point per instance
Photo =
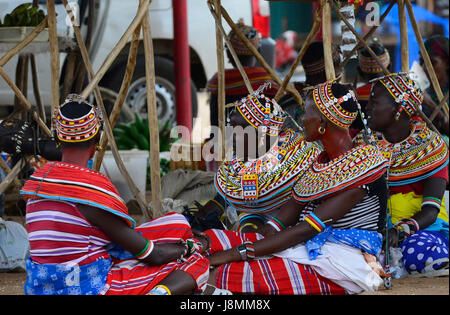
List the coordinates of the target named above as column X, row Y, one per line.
column 24, row 15
column 135, row 135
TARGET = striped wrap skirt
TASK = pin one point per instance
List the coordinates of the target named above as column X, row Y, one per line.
column 134, row 277
column 272, row 275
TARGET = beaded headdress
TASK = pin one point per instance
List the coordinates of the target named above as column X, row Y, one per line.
column 78, row 129
column 252, row 35
column 369, row 65
column 404, row 90
column 314, row 67
column 259, row 110
column 330, row 106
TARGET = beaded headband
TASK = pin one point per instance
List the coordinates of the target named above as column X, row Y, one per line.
column 78, row 129
column 369, row 64
column 257, row 111
column 237, row 43
column 330, row 106
column 404, row 90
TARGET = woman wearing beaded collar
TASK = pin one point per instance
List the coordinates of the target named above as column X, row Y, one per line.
column 258, row 178
column 337, row 212
column 82, row 239
column 417, row 175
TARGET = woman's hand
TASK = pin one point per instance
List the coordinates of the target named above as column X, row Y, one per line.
column 392, row 237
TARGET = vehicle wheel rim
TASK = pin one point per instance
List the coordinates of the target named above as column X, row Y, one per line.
column 165, row 100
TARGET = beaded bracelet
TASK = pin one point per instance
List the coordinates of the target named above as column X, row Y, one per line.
column 277, row 224
column 250, row 249
column 431, row 201
column 408, row 226
column 146, row 251
column 248, row 224
column 160, row 290
column 315, row 222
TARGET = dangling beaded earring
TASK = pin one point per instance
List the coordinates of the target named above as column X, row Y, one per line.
column 367, row 131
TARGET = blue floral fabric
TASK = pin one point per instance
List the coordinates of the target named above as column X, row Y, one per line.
column 60, row 279
column 369, row 241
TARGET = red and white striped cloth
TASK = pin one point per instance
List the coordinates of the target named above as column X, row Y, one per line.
column 59, row 234
column 273, row 275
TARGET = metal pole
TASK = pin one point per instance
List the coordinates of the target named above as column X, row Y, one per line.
column 182, row 64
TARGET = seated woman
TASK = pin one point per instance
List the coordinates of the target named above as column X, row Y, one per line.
column 437, row 47
column 76, row 221
column 337, row 207
column 258, row 178
column 417, row 175
column 368, row 69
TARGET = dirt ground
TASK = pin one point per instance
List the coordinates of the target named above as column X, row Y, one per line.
column 11, row 283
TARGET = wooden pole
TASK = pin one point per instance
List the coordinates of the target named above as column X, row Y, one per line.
column 220, row 78
column 366, row 37
column 361, row 40
column 327, row 40
column 11, row 177
column 106, row 124
column 231, row 49
column 152, row 117
column 425, row 56
column 116, row 50
column 24, row 101
column 300, row 55
column 54, row 54
column 403, row 35
column 37, row 93
column 439, row 107
column 290, row 88
column 120, row 99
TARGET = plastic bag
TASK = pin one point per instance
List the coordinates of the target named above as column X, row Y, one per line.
column 14, row 245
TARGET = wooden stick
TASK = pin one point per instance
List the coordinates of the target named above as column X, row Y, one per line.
column 24, row 101
column 230, row 47
column 107, row 126
column 425, row 56
column 116, row 50
column 290, row 87
column 13, row 51
column 5, row 167
column 403, row 35
column 54, row 54
column 152, row 113
column 11, row 177
column 309, row 39
column 366, row 37
column 327, row 40
column 352, row 29
column 120, row 99
column 37, row 93
column 220, row 78
column 439, row 107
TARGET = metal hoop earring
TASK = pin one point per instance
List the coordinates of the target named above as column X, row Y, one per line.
column 397, row 116
column 321, row 130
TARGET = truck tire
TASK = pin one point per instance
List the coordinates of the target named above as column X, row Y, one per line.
column 165, row 88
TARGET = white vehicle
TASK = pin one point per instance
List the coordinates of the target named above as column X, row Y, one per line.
column 112, row 19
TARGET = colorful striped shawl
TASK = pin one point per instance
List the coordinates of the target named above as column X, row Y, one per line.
column 68, row 182
column 234, row 83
